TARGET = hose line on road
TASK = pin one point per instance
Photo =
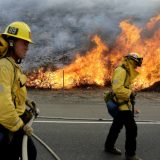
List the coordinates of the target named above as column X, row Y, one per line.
column 47, row 147
column 68, row 118
column 88, row 119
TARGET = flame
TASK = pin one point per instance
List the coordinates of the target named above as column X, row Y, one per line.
column 97, row 65
column 89, row 69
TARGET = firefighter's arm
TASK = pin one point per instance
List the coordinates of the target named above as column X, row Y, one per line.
column 8, row 115
column 118, row 87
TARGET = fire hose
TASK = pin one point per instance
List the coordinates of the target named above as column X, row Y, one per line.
column 25, row 140
column 35, row 112
column 54, row 155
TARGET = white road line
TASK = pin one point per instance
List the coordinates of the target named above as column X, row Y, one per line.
column 90, row 122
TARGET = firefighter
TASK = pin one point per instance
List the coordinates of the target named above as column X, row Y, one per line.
column 121, row 85
column 14, row 43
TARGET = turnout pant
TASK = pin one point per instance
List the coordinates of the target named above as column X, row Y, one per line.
column 123, row 118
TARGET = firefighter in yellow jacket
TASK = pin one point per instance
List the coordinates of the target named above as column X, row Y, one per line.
column 121, row 86
column 14, row 44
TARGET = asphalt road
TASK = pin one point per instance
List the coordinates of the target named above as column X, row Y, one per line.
column 84, row 140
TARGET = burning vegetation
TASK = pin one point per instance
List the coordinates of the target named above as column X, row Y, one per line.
column 95, row 67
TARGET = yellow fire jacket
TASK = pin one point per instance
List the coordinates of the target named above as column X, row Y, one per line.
column 122, row 79
column 121, row 87
column 12, row 94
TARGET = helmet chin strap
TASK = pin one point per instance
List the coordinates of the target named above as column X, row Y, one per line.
column 11, row 43
column 17, row 59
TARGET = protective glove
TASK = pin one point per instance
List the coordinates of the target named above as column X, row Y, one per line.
column 27, row 130
column 108, row 95
column 31, row 104
column 137, row 111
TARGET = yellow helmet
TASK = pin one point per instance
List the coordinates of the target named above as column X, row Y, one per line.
column 136, row 57
column 18, row 30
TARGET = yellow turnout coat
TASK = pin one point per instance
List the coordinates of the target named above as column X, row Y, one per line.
column 122, row 79
column 12, row 94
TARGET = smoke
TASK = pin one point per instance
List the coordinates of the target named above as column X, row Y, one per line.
column 64, row 27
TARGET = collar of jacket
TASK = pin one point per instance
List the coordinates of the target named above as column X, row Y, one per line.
column 12, row 60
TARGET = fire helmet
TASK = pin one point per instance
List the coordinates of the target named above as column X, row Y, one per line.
column 18, row 30
column 135, row 57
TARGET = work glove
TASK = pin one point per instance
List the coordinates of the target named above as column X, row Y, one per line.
column 137, row 111
column 31, row 104
column 27, row 130
column 108, row 95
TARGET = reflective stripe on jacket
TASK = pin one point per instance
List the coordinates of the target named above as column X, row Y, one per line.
column 12, row 94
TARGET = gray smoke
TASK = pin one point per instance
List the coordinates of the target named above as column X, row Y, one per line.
column 64, row 27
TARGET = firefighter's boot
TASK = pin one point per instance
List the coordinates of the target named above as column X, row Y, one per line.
column 114, row 151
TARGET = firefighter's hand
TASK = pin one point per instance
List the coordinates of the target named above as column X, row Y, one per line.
column 31, row 104
column 137, row 111
column 27, row 130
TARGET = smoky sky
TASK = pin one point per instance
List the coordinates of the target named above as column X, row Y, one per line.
column 64, row 27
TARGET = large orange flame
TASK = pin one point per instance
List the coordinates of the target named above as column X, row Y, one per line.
column 96, row 66
column 89, row 69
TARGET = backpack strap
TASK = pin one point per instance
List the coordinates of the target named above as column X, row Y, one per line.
column 126, row 72
column 15, row 73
